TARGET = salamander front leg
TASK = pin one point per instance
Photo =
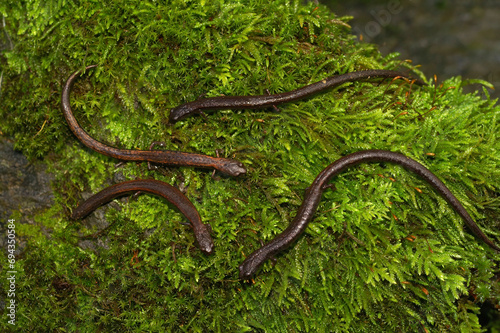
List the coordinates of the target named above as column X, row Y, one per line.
column 154, row 144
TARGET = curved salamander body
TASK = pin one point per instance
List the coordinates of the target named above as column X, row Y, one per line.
column 168, row 157
column 264, row 101
column 172, row 194
column 313, row 196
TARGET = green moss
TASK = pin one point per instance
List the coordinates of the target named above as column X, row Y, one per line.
column 409, row 263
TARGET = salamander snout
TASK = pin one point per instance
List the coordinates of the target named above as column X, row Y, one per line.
column 233, row 168
column 205, row 241
column 246, row 270
column 180, row 112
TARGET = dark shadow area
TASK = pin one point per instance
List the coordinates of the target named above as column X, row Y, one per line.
column 447, row 38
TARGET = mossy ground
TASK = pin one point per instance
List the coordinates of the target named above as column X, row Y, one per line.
column 384, row 253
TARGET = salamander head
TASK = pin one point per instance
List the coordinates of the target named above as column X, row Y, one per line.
column 232, row 167
column 182, row 111
column 204, row 239
column 248, row 268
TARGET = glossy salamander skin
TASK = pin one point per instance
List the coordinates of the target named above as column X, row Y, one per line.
column 167, row 157
column 172, row 194
column 313, row 196
column 264, row 101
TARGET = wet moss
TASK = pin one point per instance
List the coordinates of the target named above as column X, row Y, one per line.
column 415, row 266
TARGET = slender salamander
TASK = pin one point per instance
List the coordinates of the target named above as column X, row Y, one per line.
column 168, row 157
column 312, row 198
column 264, row 101
column 172, row 194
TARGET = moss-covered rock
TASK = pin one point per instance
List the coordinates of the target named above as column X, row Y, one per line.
column 384, row 253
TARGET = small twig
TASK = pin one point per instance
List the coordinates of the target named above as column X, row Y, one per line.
column 351, row 236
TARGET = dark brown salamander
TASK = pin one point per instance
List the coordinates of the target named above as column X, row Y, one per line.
column 264, row 101
column 173, row 195
column 168, row 157
column 313, row 196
